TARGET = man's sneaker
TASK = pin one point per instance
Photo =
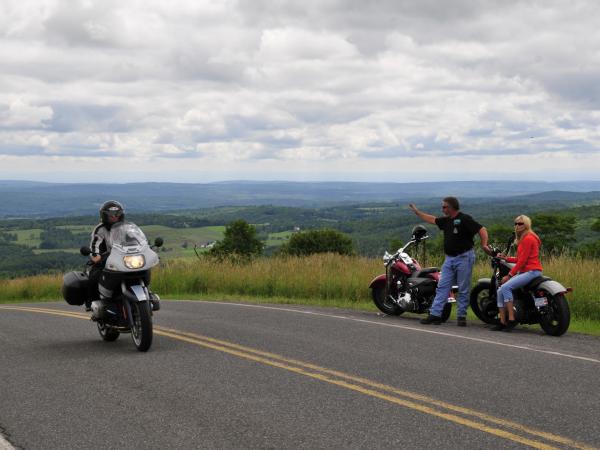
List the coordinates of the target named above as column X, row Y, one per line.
column 431, row 320
column 461, row 321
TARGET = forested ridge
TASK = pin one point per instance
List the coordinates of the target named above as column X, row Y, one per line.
column 570, row 222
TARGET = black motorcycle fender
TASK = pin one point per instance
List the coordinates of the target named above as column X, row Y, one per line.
column 552, row 287
column 483, row 281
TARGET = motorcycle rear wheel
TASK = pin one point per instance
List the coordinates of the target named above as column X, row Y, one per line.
column 385, row 305
column 556, row 321
column 483, row 306
column 107, row 333
column 141, row 331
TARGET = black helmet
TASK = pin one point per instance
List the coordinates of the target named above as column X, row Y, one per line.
column 111, row 208
column 419, row 232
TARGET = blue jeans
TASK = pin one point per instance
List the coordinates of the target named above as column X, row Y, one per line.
column 455, row 270
column 505, row 293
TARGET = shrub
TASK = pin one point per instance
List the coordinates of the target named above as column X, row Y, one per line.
column 240, row 239
column 318, row 241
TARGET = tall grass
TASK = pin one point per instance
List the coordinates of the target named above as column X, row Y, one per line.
column 324, row 279
column 40, row 287
column 318, row 277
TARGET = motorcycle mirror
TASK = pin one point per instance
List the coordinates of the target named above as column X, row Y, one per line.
column 85, row 250
column 510, row 241
column 158, row 242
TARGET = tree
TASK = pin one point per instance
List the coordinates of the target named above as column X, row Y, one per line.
column 240, row 238
column 596, row 226
column 395, row 244
column 499, row 234
column 556, row 231
column 318, row 241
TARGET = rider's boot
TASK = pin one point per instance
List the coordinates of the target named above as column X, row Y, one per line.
column 154, row 301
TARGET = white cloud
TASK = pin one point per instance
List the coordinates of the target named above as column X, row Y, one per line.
column 18, row 113
column 322, row 86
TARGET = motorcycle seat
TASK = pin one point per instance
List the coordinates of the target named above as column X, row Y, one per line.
column 422, row 272
column 536, row 282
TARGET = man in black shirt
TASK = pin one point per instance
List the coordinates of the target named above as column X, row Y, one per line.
column 459, row 230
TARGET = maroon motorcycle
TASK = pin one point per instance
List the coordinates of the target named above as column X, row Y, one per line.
column 405, row 286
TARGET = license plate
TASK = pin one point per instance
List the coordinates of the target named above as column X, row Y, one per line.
column 540, row 301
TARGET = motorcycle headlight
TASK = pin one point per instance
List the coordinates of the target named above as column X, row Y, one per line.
column 386, row 258
column 134, row 261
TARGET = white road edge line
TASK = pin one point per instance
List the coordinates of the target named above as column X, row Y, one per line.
column 405, row 327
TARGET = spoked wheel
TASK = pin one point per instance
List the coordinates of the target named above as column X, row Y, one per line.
column 107, row 333
column 483, row 305
column 141, row 332
column 384, row 303
column 557, row 317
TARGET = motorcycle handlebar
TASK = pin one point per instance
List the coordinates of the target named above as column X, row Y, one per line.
column 411, row 242
column 389, row 258
column 495, row 251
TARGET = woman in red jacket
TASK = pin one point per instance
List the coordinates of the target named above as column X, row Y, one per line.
column 527, row 267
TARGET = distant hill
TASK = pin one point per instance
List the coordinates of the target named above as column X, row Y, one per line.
column 37, row 199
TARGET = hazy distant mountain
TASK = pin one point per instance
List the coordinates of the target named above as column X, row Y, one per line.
column 36, row 199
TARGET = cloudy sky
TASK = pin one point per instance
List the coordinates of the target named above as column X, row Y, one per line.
column 302, row 90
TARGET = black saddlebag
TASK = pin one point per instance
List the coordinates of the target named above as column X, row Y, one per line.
column 422, row 286
column 75, row 288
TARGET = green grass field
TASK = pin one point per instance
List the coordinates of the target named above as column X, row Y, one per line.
column 29, row 238
column 277, row 239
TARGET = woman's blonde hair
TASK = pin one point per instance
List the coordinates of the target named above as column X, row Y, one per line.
column 526, row 228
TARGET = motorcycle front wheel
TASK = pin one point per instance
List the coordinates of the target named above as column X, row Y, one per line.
column 557, row 317
column 384, row 303
column 141, row 331
column 483, row 305
column 107, row 333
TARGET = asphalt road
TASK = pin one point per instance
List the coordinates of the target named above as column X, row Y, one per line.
column 223, row 375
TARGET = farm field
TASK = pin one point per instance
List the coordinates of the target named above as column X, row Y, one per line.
column 178, row 242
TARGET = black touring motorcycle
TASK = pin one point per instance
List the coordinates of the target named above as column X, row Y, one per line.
column 126, row 302
column 541, row 301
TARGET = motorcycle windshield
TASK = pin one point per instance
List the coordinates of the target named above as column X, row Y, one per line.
column 127, row 236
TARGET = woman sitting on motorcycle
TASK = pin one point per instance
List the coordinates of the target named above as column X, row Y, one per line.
column 527, row 267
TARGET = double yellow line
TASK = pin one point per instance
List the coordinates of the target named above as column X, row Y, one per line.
column 457, row 414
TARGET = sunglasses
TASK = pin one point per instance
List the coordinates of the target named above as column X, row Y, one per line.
column 519, row 223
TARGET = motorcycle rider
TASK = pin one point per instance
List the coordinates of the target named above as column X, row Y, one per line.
column 111, row 212
column 459, row 230
column 527, row 267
